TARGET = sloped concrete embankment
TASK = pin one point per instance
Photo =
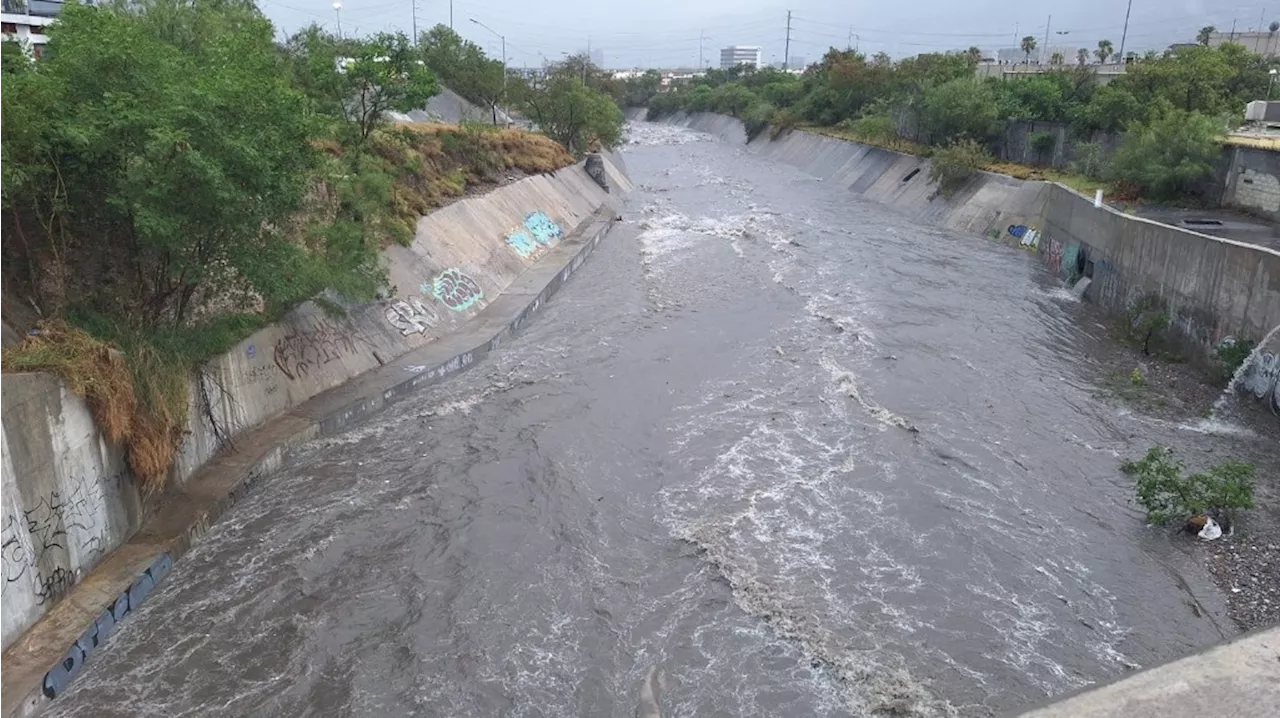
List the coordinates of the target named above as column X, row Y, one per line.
column 1212, row 288
column 79, row 550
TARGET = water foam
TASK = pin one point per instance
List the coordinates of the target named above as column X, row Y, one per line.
column 847, row 383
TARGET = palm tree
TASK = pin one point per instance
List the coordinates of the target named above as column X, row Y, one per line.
column 974, row 54
column 1056, row 59
column 1028, row 45
column 1202, row 37
column 1104, row 51
column 1082, row 56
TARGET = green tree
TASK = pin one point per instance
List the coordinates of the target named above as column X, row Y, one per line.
column 959, row 108
column 569, row 112
column 954, row 164
column 165, row 164
column 1057, row 58
column 1167, row 156
column 1205, row 33
column 463, row 67
column 1168, row 495
column 1082, row 57
column 1110, row 109
column 1104, row 51
column 1028, row 46
column 732, row 99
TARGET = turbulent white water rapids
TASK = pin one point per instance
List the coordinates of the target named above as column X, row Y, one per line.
column 774, row 451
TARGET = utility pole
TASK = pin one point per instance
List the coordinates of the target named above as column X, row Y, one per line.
column 1047, row 23
column 701, row 37
column 849, row 44
column 786, row 54
column 1124, row 35
column 450, row 14
column 415, row 21
column 1233, row 29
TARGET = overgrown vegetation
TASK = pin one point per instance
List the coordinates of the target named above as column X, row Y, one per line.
column 174, row 180
column 952, row 166
column 1169, row 106
column 1145, row 322
column 1231, row 354
column 1169, row 495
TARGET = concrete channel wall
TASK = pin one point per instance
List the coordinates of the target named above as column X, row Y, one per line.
column 1212, row 288
column 69, row 499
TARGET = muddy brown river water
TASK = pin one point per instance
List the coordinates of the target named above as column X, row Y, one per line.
column 774, row 451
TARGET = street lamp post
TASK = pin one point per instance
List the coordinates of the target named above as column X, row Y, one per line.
column 503, row 38
column 337, row 11
column 1273, row 72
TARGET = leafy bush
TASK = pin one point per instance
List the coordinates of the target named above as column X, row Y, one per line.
column 953, row 165
column 1042, row 143
column 1165, row 157
column 1090, row 160
column 877, row 129
column 756, row 119
column 1168, row 495
column 1145, row 321
column 957, row 109
column 1231, row 354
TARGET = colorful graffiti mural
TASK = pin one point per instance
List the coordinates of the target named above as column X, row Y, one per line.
column 1054, row 256
column 542, row 227
column 458, row 291
column 522, row 243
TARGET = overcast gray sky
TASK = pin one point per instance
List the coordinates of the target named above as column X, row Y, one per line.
column 664, row 33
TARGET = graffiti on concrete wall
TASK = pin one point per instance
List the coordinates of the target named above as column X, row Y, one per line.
column 1262, row 379
column 17, row 553
column 1055, row 256
column 543, row 228
column 412, row 315
column 1070, row 254
column 458, row 291
column 522, row 243
column 40, row 544
column 58, row 525
column 1026, row 236
column 58, row 677
column 300, row 351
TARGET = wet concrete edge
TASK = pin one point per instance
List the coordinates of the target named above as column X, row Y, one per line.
column 58, row 645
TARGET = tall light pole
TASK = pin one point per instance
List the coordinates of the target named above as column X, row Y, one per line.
column 1124, row 35
column 503, row 38
column 337, row 11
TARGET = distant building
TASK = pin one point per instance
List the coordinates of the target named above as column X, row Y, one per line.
column 735, row 55
column 1040, row 54
column 597, row 57
column 1266, row 44
column 1011, row 70
column 25, row 22
column 799, row 62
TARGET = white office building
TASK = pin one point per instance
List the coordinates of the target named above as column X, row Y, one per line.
column 739, row 55
column 25, row 23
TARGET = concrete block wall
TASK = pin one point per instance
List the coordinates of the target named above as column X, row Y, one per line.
column 1253, row 182
column 68, row 497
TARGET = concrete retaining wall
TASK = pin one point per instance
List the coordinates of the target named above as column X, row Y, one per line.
column 1253, row 181
column 1212, row 287
column 68, row 498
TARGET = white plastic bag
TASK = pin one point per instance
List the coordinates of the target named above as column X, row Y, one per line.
column 1211, row 530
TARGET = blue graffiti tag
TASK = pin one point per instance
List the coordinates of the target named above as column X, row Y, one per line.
column 543, row 228
column 57, row 678
column 1017, row 230
column 522, row 243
